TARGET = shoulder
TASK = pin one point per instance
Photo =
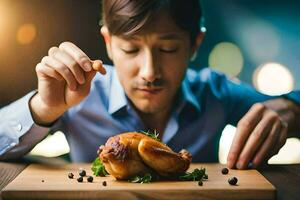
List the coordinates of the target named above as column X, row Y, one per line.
column 205, row 75
column 208, row 80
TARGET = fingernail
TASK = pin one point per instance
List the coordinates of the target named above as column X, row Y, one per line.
column 239, row 165
column 229, row 164
column 87, row 67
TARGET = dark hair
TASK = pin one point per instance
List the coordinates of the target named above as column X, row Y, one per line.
column 127, row 17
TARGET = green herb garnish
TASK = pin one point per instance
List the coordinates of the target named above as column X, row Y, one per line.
column 98, row 168
column 153, row 135
column 147, row 178
column 196, row 175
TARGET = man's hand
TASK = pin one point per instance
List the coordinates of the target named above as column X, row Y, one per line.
column 260, row 134
column 64, row 80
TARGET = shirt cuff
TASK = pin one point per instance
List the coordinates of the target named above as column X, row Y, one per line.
column 293, row 96
column 16, row 120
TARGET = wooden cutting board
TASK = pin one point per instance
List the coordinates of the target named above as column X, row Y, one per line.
column 52, row 182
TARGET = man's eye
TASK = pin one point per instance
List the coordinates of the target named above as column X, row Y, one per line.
column 171, row 50
column 130, row 51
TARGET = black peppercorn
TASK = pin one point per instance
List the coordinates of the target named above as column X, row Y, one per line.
column 82, row 172
column 70, row 175
column 43, row 181
column 80, row 179
column 104, row 183
column 225, row 170
column 205, row 176
column 232, row 181
column 200, row 183
column 90, row 179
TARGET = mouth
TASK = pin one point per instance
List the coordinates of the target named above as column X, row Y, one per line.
column 149, row 91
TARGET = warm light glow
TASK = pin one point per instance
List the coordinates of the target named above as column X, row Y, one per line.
column 26, row 34
column 2, row 17
column 227, row 58
column 289, row 153
column 3, row 22
column 52, row 146
column 273, row 79
column 225, row 143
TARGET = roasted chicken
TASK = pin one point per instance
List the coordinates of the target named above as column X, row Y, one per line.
column 133, row 153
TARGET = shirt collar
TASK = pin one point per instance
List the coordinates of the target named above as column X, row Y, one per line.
column 117, row 97
column 188, row 96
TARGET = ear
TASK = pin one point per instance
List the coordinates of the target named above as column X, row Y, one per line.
column 107, row 39
column 198, row 41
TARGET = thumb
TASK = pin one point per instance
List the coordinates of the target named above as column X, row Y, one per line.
column 90, row 75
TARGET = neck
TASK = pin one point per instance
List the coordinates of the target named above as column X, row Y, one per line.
column 156, row 121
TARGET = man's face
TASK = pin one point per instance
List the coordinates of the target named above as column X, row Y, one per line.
column 152, row 64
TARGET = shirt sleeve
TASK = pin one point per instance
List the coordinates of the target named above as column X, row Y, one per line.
column 293, row 96
column 238, row 97
column 18, row 132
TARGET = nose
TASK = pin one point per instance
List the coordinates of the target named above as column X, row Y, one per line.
column 149, row 69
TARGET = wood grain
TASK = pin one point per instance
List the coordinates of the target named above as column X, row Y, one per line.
column 46, row 182
column 8, row 171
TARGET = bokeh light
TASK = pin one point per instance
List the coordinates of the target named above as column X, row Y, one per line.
column 26, row 34
column 283, row 157
column 225, row 143
column 52, row 146
column 273, row 79
column 227, row 58
column 288, row 154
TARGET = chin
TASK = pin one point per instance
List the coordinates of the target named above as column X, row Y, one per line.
column 149, row 107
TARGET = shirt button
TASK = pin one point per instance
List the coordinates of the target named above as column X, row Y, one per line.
column 19, row 127
column 13, row 144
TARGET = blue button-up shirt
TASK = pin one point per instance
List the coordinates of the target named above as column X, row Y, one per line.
column 206, row 103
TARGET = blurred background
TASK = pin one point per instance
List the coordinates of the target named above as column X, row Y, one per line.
column 254, row 41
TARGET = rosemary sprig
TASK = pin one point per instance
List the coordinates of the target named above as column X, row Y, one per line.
column 196, row 175
column 147, row 178
column 98, row 168
column 153, row 135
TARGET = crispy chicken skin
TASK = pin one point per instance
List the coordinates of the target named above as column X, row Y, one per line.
column 133, row 153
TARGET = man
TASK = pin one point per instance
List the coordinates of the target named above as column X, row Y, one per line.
column 149, row 88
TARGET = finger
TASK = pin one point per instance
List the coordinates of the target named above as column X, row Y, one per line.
column 90, row 75
column 81, row 58
column 71, row 64
column 63, row 70
column 255, row 140
column 282, row 139
column 98, row 66
column 268, row 145
column 48, row 71
column 244, row 128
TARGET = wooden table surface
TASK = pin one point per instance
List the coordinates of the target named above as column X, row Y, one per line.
column 40, row 181
column 286, row 178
